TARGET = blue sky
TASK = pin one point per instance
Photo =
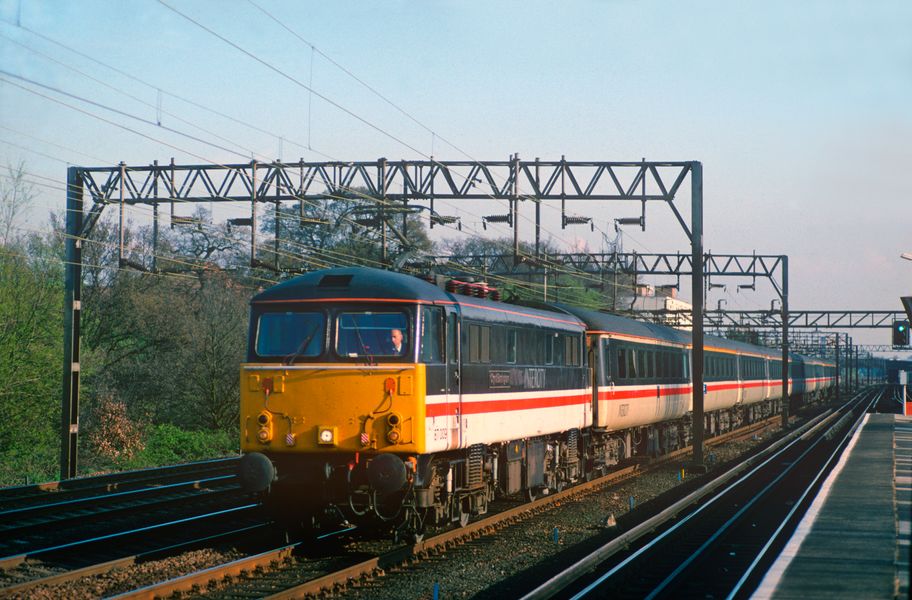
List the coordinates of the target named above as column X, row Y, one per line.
column 799, row 111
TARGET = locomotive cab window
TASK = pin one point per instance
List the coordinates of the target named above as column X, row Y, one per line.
column 290, row 334
column 367, row 333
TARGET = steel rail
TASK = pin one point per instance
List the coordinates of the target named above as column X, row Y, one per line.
column 737, row 516
column 726, row 487
column 8, row 562
column 173, row 499
column 200, row 579
column 441, row 542
column 585, row 565
column 119, row 563
column 110, row 481
column 75, row 502
column 802, row 500
column 399, row 555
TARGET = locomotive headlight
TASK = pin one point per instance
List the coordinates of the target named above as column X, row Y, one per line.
column 264, row 430
column 326, row 436
column 393, row 421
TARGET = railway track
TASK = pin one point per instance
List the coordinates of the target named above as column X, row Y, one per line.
column 120, row 519
column 279, row 573
column 717, row 541
column 85, row 487
column 72, row 530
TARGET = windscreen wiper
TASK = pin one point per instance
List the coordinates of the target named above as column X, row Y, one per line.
column 289, row 360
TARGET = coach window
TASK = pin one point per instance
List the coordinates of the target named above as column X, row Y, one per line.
column 431, row 334
column 511, row 346
column 622, row 363
column 473, row 338
column 571, row 353
column 479, row 344
column 631, row 363
column 606, row 357
column 557, row 343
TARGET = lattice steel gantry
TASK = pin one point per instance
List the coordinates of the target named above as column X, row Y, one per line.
column 391, row 184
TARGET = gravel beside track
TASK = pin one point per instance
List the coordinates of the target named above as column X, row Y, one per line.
column 123, row 579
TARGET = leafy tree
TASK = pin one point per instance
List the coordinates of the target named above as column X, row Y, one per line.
column 31, row 300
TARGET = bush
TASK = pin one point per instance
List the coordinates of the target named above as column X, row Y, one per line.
column 115, row 437
column 167, row 444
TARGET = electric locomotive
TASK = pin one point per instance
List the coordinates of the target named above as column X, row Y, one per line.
column 481, row 395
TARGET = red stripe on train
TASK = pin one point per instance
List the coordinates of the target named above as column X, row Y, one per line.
column 476, row 407
column 488, row 406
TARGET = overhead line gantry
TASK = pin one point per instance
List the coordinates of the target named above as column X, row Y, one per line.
column 390, row 183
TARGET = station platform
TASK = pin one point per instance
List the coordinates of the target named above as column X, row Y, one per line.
column 854, row 540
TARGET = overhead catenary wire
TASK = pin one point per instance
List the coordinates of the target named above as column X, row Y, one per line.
column 340, row 258
column 313, row 47
column 290, row 78
column 171, row 94
column 435, row 135
column 574, row 273
column 295, row 80
column 111, row 109
column 115, row 89
column 50, row 143
column 193, row 137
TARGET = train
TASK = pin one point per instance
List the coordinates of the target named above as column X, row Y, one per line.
column 479, row 398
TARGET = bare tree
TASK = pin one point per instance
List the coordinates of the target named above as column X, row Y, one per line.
column 15, row 195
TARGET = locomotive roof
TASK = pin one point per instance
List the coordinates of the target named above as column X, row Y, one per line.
column 364, row 283
column 354, row 283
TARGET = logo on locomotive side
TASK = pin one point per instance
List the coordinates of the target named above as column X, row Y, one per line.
column 528, row 379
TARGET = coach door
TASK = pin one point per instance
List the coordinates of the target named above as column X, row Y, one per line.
column 453, row 376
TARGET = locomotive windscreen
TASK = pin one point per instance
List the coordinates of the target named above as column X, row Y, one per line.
column 372, row 333
column 290, row 334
